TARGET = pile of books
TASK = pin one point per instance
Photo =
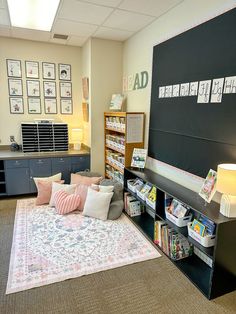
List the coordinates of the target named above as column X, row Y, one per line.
column 173, row 244
column 145, row 191
column 133, row 207
column 203, row 226
column 177, row 209
column 115, row 123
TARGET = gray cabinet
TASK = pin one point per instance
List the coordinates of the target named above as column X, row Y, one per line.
column 39, row 167
column 63, row 165
column 17, row 177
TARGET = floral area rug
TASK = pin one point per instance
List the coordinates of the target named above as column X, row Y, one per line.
column 48, row 247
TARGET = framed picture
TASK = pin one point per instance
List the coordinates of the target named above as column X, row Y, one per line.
column 49, row 89
column 85, row 87
column 34, row 105
column 64, row 72
column 33, row 88
column 32, row 69
column 16, row 105
column 50, row 105
column 66, row 106
column 49, row 72
column 15, row 87
column 65, row 89
column 117, row 102
column 13, row 68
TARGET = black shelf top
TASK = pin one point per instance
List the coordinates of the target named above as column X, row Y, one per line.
column 182, row 194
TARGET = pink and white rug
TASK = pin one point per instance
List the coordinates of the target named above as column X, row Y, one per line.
column 48, row 247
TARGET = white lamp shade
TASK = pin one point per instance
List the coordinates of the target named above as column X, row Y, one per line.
column 226, row 179
column 76, row 135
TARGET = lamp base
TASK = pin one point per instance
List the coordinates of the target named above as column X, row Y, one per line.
column 228, row 205
column 77, row 146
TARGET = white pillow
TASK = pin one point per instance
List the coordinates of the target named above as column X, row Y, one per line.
column 69, row 188
column 103, row 188
column 97, row 204
column 56, row 177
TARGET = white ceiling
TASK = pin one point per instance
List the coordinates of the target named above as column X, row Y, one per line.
column 107, row 19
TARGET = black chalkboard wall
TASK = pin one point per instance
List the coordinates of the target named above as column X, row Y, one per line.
column 191, row 135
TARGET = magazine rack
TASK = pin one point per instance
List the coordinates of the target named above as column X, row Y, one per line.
column 211, row 269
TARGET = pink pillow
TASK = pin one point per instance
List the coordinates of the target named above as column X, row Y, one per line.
column 78, row 179
column 66, row 203
column 81, row 190
column 44, row 191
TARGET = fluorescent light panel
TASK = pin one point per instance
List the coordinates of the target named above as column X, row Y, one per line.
column 33, row 14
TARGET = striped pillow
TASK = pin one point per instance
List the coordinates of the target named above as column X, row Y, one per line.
column 66, row 203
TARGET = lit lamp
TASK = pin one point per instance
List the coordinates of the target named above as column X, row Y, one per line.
column 226, row 184
column 76, row 138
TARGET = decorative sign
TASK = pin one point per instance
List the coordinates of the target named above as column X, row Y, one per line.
column 16, row 105
column 135, row 81
column 32, row 69
column 65, row 72
column 13, row 68
column 49, row 72
column 139, row 158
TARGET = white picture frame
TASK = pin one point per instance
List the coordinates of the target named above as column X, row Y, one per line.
column 65, row 89
column 32, row 69
column 50, row 105
column 64, row 72
column 49, row 71
column 16, row 105
column 33, row 88
column 66, row 106
column 49, row 89
column 34, row 106
column 15, row 87
column 14, row 68
column 139, row 158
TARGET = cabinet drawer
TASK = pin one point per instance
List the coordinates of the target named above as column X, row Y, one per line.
column 80, row 163
column 18, row 163
column 79, row 159
column 61, row 161
column 40, row 162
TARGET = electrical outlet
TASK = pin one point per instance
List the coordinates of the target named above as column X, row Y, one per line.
column 12, row 138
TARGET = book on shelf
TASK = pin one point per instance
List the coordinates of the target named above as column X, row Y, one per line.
column 157, row 231
column 146, row 189
column 198, row 227
column 152, row 196
column 209, row 225
column 177, row 209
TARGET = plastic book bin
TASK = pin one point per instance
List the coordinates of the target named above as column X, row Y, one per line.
column 180, row 222
column 206, row 241
column 130, row 186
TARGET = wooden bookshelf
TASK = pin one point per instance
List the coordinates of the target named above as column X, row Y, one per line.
column 123, row 132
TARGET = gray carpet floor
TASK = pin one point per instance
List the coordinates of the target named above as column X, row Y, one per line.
column 154, row 286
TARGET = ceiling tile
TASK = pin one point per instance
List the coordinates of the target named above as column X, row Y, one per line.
column 129, row 21
column 113, row 34
column 150, row 7
column 83, row 12
column 4, row 18
column 66, row 27
column 5, row 31
column 77, row 41
column 108, row 3
column 30, row 34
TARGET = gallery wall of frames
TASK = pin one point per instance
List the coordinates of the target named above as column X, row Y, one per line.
column 45, row 92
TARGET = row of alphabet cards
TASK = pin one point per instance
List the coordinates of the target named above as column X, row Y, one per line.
column 14, row 69
column 208, row 90
column 34, row 105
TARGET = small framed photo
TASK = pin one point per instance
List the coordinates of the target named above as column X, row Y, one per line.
column 15, row 87
column 13, row 68
column 32, row 69
column 64, row 72
column 139, row 158
column 65, row 89
column 49, row 71
column 33, row 88
column 34, row 105
column 49, row 89
column 16, row 105
column 208, row 188
column 66, row 106
column 50, row 105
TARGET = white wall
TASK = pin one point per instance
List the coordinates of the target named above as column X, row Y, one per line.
column 138, row 57
column 106, row 79
column 41, row 52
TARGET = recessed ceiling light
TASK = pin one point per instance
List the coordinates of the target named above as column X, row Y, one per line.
column 33, row 14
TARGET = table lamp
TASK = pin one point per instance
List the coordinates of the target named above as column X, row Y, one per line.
column 226, row 184
column 76, row 137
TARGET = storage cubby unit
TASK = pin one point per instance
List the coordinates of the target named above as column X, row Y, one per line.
column 123, row 132
column 2, row 179
column 211, row 269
